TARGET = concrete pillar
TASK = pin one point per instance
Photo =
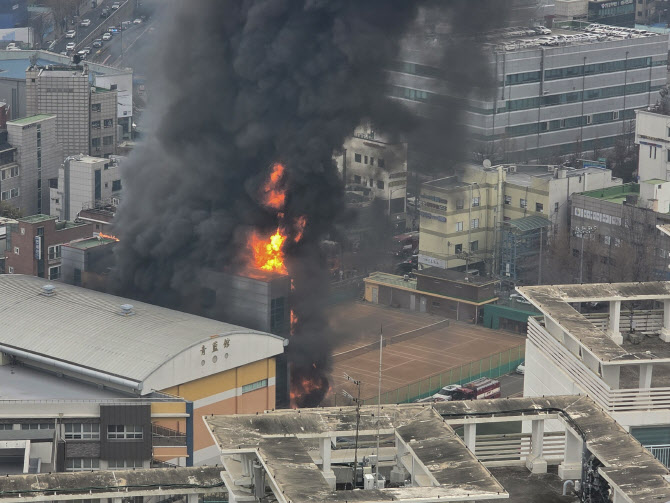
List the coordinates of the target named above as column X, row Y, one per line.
column 645, row 375
column 611, row 375
column 192, row 498
column 470, row 436
column 571, row 467
column 324, row 450
column 618, row 496
column 665, row 331
column 534, row 461
column 613, row 327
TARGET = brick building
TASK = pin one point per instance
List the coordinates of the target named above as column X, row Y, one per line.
column 33, row 245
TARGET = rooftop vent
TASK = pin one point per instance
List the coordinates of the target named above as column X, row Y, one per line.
column 49, row 290
column 127, row 310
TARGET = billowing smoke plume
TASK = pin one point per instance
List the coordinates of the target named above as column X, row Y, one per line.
column 235, row 87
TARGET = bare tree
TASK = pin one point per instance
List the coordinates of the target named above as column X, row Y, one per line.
column 38, row 25
column 62, row 11
column 9, row 211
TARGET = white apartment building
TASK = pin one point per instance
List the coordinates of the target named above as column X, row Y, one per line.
column 83, row 181
column 619, row 357
column 652, row 134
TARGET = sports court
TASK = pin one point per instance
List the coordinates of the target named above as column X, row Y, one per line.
column 418, row 346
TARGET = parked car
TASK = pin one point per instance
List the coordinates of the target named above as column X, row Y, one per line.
column 126, row 24
column 70, row 46
column 70, row 34
column 137, row 21
column 116, row 5
column 85, row 22
column 97, row 42
column 82, row 54
column 104, row 12
column 87, row 49
column 517, row 297
column 107, row 36
column 521, row 369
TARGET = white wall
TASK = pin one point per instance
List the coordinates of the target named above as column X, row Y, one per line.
column 651, row 133
column 124, row 87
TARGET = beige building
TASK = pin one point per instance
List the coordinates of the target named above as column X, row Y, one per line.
column 461, row 216
column 86, row 115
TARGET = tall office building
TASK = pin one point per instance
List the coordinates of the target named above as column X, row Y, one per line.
column 86, row 115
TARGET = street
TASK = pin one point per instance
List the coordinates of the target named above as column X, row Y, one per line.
column 511, row 385
column 82, row 32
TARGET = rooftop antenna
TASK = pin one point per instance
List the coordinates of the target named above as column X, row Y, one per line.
column 357, row 401
column 379, row 401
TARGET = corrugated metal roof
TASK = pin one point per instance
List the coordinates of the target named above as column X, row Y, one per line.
column 85, row 327
column 529, row 223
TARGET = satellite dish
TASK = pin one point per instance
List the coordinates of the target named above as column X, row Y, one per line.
column 487, row 163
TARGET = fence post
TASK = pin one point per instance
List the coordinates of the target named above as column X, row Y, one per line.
column 480, row 367
column 509, row 360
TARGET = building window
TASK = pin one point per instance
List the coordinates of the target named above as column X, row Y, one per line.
column 458, row 249
column 575, row 252
column 254, row 386
column 77, row 276
column 372, row 182
column 277, row 315
column 539, row 207
column 124, row 431
column 54, row 272
column 372, row 161
column 523, row 203
column 38, row 426
column 16, row 250
column 96, row 107
column 7, row 426
column 9, row 194
column 357, row 178
column 10, row 269
column 109, row 122
column 380, row 163
column 508, row 199
column 555, row 207
column 459, row 204
column 474, row 246
column 54, row 252
column 475, row 201
column 107, row 140
column 116, row 185
column 380, row 184
column 474, row 224
column 82, row 464
column 459, row 226
column 607, row 240
column 82, row 431
column 365, row 160
column 95, row 124
column 95, row 142
column 124, row 463
column 9, row 173
column 357, row 157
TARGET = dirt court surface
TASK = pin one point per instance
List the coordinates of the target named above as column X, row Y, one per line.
column 439, row 346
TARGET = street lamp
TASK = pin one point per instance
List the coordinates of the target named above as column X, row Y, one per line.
column 357, row 401
column 582, row 232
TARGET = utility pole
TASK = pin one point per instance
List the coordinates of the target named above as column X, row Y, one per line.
column 357, row 401
column 379, row 402
column 582, row 232
column 539, row 274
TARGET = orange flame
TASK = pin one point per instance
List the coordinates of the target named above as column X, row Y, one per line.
column 274, row 195
column 268, row 253
column 306, row 386
column 294, row 320
column 299, row 228
column 107, row 236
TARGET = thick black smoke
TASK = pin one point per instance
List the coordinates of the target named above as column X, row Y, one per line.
column 240, row 85
column 237, row 86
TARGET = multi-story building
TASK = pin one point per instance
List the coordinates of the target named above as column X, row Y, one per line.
column 33, row 245
column 377, row 169
column 86, row 262
column 622, row 232
column 86, row 116
column 620, row 357
column 38, row 157
column 652, row 134
column 66, row 335
column 613, row 12
column 645, row 11
column 577, row 95
column 85, row 182
column 462, row 216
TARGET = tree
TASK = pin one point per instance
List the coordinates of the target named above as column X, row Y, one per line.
column 9, row 211
column 63, row 10
column 37, row 23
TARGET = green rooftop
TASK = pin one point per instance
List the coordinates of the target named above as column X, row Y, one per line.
column 34, row 219
column 85, row 244
column 615, row 194
column 30, row 120
column 654, row 181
